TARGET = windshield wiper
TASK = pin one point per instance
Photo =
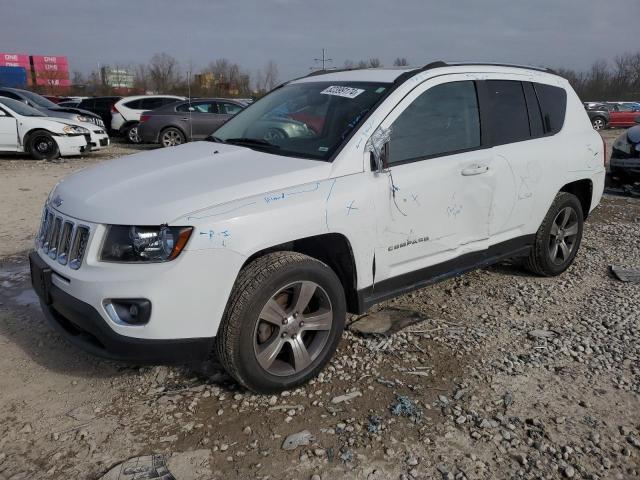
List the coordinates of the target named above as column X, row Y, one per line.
column 251, row 142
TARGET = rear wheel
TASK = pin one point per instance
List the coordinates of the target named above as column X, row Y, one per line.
column 42, row 145
column 171, row 137
column 130, row 133
column 558, row 238
column 283, row 322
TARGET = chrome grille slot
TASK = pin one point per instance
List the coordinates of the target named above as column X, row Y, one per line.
column 55, row 238
column 65, row 242
column 62, row 238
column 79, row 247
column 47, row 232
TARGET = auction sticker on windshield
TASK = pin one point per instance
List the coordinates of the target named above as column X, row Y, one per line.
column 347, row 92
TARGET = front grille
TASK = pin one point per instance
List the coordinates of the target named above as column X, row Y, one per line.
column 62, row 239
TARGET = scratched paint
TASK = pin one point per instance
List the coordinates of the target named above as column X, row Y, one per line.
column 454, row 209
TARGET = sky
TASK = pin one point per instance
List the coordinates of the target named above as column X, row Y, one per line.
column 554, row 33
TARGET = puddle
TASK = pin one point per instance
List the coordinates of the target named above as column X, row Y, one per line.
column 15, row 286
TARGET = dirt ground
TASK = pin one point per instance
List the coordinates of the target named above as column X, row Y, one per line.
column 493, row 375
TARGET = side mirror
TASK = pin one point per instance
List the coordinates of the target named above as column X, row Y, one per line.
column 380, row 159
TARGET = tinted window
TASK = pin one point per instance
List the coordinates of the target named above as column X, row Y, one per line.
column 535, row 116
column 134, row 104
column 553, row 104
column 104, row 103
column 151, row 103
column 167, row 101
column 509, row 111
column 228, row 108
column 10, row 95
column 443, row 119
column 87, row 104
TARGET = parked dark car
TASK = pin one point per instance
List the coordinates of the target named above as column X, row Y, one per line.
column 185, row 121
column 598, row 114
column 100, row 106
column 49, row 108
column 625, row 155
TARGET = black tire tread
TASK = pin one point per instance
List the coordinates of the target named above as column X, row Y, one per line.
column 538, row 251
column 249, row 280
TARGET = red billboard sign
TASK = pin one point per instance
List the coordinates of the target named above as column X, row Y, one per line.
column 14, row 58
column 50, row 67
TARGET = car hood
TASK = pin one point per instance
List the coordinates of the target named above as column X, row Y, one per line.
column 157, row 187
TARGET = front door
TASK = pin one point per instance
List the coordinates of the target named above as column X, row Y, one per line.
column 439, row 185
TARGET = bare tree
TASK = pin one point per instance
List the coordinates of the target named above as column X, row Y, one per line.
column 163, row 72
column 270, row 75
column 375, row 62
column 400, row 62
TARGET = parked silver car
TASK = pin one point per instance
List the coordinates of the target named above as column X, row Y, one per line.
column 185, row 121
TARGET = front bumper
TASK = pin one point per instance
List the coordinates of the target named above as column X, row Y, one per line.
column 97, row 141
column 71, row 145
column 82, row 325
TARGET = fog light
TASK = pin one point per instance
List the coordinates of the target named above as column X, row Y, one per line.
column 129, row 311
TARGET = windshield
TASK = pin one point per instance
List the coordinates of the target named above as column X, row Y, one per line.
column 38, row 99
column 310, row 120
column 21, row 108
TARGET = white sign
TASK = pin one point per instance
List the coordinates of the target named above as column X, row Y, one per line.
column 347, row 92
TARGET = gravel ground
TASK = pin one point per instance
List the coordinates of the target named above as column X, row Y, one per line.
column 495, row 374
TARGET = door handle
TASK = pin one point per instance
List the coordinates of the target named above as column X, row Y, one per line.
column 475, row 170
column 185, row 118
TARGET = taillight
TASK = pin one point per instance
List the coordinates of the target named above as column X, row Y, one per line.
column 605, row 160
column 114, row 109
column 144, row 118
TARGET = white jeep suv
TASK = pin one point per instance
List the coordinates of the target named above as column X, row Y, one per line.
column 332, row 193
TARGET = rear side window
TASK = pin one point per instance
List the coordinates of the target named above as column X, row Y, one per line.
column 535, row 116
column 167, row 101
column 134, row 104
column 151, row 103
column 509, row 111
column 444, row 119
column 553, row 104
column 228, row 108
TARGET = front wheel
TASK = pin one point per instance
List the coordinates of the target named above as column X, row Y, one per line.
column 558, row 238
column 43, row 146
column 283, row 322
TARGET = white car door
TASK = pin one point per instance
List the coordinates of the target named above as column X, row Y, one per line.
column 8, row 132
column 440, row 183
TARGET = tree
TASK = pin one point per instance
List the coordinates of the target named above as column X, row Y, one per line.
column 163, row 73
column 375, row 63
column 400, row 62
column 270, row 75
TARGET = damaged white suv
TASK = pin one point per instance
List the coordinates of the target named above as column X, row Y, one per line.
column 332, row 193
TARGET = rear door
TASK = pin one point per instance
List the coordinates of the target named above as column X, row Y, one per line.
column 8, row 132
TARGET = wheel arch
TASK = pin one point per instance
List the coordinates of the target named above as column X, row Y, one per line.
column 26, row 136
column 333, row 249
column 583, row 189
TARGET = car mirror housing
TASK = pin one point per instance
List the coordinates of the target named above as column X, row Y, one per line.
column 378, row 146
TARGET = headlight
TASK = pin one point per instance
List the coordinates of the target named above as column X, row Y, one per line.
column 81, row 118
column 144, row 244
column 74, row 130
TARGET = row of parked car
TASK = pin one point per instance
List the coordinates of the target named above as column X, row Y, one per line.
column 612, row 114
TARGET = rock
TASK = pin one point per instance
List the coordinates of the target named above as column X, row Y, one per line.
column 569, row 471
column 295, row 440
column 27, row 428
column 346, row 397
column 247, row 430
column 195, row 464
column 315, row 476
column 168, row 439
column 541, row 334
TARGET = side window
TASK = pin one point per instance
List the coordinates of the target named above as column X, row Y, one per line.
column 553, row 104
column 228, row 108
column 150, row 103
column 183, row 107
column 134, row 104
column 535, row 116
column 444, row 119
column 10, row 95
column 204, row 107
column 167, row 101
column 510, row 120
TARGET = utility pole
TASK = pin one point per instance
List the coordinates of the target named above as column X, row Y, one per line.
column 323, row 60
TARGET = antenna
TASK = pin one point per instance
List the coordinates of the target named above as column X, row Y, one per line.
column 323, row 60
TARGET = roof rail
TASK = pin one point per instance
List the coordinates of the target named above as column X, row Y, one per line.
column 492, row 64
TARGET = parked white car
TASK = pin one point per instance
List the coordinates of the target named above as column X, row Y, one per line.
column 125, row 113
column 25, row 129
column 330, row 194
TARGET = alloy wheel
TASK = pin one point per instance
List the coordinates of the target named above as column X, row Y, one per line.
column 293, row 328
column 598, row 124
column 171, row 138
column 133, row 135
column 563, row 235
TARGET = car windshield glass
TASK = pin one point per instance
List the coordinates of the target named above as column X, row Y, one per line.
column 21, row 108
column 310, row 120
column 38, row 100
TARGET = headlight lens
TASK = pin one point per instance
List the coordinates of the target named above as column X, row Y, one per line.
column 144, row 244
column 74, row 130
column 82, row 118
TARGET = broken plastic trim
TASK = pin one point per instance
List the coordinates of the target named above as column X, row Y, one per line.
column 378, row 139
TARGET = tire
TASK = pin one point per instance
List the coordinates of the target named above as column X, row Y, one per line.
column 42, row 145
column 598, row 123
column 170, row 137
column 548, row 257
column 130, row 133
column 260, row 331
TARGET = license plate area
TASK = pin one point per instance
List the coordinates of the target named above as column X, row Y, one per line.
column 40, row 278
